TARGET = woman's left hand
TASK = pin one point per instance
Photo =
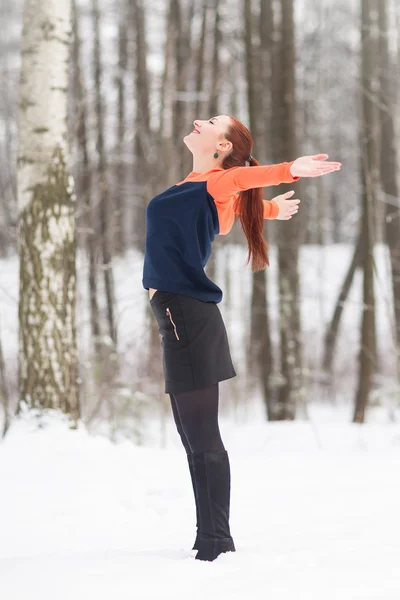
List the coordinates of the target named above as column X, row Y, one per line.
column 313, row 165
column 287, row 206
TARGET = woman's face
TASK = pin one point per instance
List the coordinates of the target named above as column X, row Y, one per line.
column 208, row 136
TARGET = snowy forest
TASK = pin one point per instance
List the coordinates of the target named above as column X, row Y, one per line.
column 96, row 97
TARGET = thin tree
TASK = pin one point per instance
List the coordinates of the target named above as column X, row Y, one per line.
column 260, row 347
column 105, row 212
column 182, row 15
column 369, row 174
column 266, row 26
column 213, row 109
column 388, row 165
column 120, row 216
column 216, row 61
column 331, row 334
column 200, row 60
column 165, row 92
column 142, row 145
column 48, row 369
column 4, row 390
column 261, row 320
column 285, row 148
column 86, row 215
column 9, row 48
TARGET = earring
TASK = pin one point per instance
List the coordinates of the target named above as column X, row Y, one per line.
column 216, row 155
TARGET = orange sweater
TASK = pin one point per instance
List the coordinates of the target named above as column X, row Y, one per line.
column 224, row 184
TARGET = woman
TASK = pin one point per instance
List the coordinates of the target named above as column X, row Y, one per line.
column 181, row 224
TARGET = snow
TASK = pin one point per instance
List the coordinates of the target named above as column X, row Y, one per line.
column 314, row 513
column 314, row 503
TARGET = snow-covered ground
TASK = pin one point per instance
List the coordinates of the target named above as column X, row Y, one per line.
column 314, row 514
column 314, row 505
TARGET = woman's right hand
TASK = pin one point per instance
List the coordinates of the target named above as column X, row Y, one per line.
column 287, row 208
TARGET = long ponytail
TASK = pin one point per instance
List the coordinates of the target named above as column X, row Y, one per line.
column 249, row 203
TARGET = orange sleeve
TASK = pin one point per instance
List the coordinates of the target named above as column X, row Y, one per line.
column 271, row 209
column 222, row 185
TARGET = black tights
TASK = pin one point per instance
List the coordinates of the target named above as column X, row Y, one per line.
column 196, row 419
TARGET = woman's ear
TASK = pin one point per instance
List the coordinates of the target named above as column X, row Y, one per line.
column 224, row 146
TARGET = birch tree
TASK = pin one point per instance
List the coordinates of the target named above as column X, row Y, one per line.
column 47, row 243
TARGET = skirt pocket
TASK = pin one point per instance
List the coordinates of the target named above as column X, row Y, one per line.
column 168, row 311
column 170, row 319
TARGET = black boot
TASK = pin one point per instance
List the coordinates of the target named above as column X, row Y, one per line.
column 212, row 488
column 191, row 469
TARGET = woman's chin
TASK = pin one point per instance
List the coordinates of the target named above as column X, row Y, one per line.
column 187, row 143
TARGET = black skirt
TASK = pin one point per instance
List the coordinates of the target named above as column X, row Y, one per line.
column 194, row 342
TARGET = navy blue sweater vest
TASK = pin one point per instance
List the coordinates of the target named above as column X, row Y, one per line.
column 181, row 224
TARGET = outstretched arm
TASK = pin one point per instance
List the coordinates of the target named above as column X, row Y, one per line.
column 224, row 184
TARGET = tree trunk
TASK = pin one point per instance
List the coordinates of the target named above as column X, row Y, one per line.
column 260, row 279
column 48, row 367
column 165, row 92
column 200, row 61
column 182, row 20
column 216, row 63
column 388, row 166
column 7, row 179
column 267, row 25
column 4, row 392
column 84, row 187
column 369, row 174
column 284, row 129
column 333, row 328
column 259, row 356
column 145, row 162
column 105, row 212
column 120, row 216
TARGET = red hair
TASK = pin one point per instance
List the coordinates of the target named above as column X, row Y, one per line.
column 250, row 202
